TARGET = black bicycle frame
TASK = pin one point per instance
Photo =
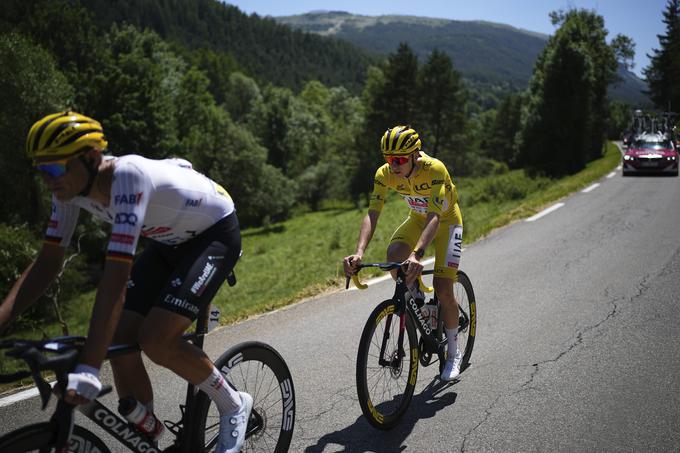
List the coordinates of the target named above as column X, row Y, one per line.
column 407, row 305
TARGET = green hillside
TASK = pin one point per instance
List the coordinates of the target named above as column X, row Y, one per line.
column 480, row 50
column 264, row 49
column 484, row 52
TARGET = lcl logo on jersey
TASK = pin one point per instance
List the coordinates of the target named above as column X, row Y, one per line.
column 130, row 198
column 129, row 218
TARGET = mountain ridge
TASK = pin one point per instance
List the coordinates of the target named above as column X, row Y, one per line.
column 485, row 52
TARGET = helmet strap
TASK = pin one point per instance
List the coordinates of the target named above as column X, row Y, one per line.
column 413, row 166
column 92, row 171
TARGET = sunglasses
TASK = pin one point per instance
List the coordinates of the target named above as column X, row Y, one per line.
column 54, row 169
column 399, row 160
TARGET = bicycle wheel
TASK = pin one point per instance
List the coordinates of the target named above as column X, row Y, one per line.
column 386, row 381
column 467, row 320
column 255, row 368
column 38, row 437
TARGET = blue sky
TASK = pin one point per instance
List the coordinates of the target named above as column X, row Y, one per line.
column 638, row 19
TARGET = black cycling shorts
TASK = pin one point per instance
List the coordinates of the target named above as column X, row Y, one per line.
column 184, row 278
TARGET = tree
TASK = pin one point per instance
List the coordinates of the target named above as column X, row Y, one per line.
column 564, row 125
column 31, row 87
column 663, row 72
column 441, row 105
column 556, row 129
column 390, row 98
column 499, row 142
column 243, row 96
column 134, row 93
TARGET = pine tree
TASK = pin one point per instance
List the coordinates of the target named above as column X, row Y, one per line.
column 663, row 72
column 441, row 104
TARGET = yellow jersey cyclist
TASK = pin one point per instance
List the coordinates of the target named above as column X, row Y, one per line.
column 195, row 243
column 426, row 186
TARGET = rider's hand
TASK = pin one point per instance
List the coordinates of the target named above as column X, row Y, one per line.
column 413, row 268
column 83, row 385
column 351, row 264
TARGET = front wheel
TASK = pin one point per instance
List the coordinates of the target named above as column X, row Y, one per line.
column 255, row 368
column 387, row 366
column 38, row 437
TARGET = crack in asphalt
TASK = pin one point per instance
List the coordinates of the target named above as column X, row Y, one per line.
column 329, row 405
column 642, row 287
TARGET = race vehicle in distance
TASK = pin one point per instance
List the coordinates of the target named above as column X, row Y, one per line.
column 651, row 153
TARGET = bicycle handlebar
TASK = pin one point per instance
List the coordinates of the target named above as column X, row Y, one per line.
column 31, row 352
column 387, row 266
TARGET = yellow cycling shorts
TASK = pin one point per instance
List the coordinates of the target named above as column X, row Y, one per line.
column 448, row 244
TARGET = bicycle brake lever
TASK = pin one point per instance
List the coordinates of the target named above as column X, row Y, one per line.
column 357, row 283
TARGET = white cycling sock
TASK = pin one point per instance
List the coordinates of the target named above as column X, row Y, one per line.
column 452, row 339
column 216, row 387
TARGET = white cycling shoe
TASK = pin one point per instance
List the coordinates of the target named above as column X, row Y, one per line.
column 233, row 427
column 452, row 367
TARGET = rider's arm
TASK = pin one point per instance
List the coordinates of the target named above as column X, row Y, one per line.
column 368, row 226
column 106, row 311
column 32, row 283
column 130, row 195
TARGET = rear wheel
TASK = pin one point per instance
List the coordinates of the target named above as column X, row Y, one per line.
column 386, row 371
column 255, row 368
column 39, row 437
column 467, row 320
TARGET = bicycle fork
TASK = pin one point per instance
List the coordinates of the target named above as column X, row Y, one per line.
column 395, row 361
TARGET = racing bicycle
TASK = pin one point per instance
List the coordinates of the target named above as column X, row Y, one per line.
column 252, row 366
column 390, row 348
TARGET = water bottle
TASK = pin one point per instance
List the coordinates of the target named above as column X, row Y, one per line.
column 417, row 293
column 142, row 418
column 429, row 311
column 213, row 317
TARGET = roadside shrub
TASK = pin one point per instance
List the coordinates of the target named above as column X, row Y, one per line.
column 18, row 248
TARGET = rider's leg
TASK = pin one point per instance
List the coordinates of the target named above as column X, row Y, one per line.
column 161, row 340
column 398, row 252
column 448, row 247
column 129, row 372
column 443, row 287
column 149, row 275
column 404, row 240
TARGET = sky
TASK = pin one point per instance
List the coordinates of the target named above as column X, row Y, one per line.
column 640, row 20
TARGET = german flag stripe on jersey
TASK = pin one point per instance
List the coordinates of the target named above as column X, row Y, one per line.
column 119, row 256
column 53, row 240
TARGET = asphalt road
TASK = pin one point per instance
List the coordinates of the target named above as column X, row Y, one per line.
column 576, row 350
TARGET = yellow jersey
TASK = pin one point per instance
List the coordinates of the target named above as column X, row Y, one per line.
column 428, row 189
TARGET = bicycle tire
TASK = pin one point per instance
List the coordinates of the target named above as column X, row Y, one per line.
column 38, row 436
column 258, row 369
column 467, row 320
column 383, row 408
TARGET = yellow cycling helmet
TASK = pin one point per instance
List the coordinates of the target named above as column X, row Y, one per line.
column 400, row 140
column 63, row 135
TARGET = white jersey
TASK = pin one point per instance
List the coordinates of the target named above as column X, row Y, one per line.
column 164, row 200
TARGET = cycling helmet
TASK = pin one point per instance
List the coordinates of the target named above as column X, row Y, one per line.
column 400, row 140
column 63, row 135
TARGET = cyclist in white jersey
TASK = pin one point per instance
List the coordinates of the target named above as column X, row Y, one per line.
column 195, row 243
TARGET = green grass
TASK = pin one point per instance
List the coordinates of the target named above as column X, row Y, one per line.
column 302, row 257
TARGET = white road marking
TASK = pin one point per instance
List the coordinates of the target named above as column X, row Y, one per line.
column 19, row 396
column 589, row 188
column 611, row 175
column 547, row 211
